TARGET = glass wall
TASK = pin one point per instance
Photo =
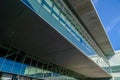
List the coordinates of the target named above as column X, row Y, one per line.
column 18, row 62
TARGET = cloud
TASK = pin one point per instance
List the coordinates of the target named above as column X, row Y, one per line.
column 112, row 24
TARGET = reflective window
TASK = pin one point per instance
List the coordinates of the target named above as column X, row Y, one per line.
column 47, row 4
column 55, row 15
column 39, row 1
column 56, row 9
column 63, row 16
column 7, row 65
column 16, row 68
column 62, row 22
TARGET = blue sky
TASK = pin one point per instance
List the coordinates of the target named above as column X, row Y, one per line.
column 109, row 13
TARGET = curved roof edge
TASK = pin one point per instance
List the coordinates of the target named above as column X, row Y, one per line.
column 85, row 11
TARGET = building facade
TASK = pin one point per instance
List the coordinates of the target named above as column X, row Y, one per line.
column 53, row 40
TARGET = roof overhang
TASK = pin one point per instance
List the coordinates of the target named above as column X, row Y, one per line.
column 23, row 29
column 85, row 12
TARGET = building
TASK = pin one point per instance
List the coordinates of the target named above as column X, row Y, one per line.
column 53, row 40
column 115, row 65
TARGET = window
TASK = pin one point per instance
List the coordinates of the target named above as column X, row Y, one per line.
column 39, row 1
column 62, row 22
column 47, row 4
column 63, row 16
column 55, row 12
column 55, row 15
column 56, row 9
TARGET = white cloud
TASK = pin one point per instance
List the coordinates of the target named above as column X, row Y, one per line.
column 113, row 23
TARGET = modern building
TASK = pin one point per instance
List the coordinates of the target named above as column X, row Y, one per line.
column 53, row 40
column 114, row 64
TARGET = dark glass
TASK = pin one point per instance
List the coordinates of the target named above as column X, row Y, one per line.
column 27, row 61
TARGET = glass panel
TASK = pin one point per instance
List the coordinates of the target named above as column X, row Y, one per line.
column 20, row 57
column 27, row 60
column 63, row 16
column 22, row 71
column 39, row 1
column 28, row 70
column 56, row 9
column 40, row 71
column 55, row 15
column 16, row 68
column 34, row 62
column 49, row 2
column 62, row 22
column 69, row 23
column 49, row 10
column 7, row 65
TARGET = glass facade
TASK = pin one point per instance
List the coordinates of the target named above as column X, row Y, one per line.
column 18, row 62
column 11, row 66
